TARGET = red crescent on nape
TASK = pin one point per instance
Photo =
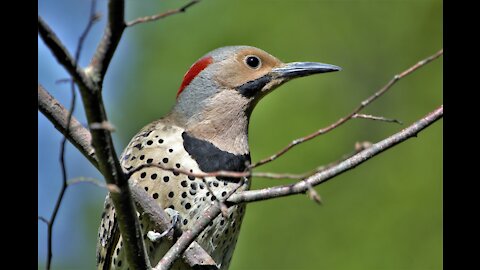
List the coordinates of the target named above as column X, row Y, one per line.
column 193, row 72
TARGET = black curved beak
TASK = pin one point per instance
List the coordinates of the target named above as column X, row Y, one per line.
column 300, row 69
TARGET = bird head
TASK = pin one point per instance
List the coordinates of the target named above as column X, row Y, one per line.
column 220, row 90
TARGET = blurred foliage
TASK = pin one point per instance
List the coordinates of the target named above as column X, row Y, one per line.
column 384, row 214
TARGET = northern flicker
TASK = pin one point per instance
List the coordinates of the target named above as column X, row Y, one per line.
column 206, row 131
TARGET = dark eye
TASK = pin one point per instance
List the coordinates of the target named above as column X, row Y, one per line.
column 252, row 61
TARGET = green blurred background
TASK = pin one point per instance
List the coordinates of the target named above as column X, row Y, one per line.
column 384, row 214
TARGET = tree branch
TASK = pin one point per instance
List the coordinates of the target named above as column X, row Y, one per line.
column 188, row 237
column 362, row 105
column 68, row 122
column 111, row 37
column 162, row 15
column 377, row 118
column 78, row 135
column 316, row 179
column 195, row 256
column 81, row 138
column 90, row 83
column 62, row 55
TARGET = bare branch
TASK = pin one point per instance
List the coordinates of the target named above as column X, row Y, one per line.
column 162, row 15
column 321, row 177
column 313, row 195
column 188, row 237
column 89, row 180
column 196, row 174
column 377, row 118
column 362, row 105
column 78, row 135
column 58, row 203
column 111, row 37
column 359, row 146
column 44, row 220
column 279, row 175
column 194, row 256
column 90, row 84
column 109, row 164
column 62, row 55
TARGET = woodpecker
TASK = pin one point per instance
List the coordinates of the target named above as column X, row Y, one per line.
column 206, row 131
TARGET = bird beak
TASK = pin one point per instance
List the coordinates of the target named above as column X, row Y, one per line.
column 300, row 69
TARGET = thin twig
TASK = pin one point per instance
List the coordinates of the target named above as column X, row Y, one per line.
column 342, row 120
column 44, row 220
column 162, row 15
column 313, row 195
column 359, row 146
column 321, row 177
column 64, row 183
column 62, row 55
column 194, row 174
column 377, row 118
column 58, row 203
column 88, row 180
column 279, row 175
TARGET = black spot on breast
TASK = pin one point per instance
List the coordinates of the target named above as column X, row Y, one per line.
column 138, row 145
column 211, row 159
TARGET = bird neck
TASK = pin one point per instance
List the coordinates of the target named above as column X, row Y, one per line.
column 223, row 121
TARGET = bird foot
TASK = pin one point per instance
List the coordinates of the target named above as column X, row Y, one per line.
column 155, row 236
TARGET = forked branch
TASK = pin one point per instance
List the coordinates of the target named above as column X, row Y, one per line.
column 344, row 119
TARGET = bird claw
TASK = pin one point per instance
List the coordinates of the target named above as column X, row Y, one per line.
column 155, row 236
column 174, row 215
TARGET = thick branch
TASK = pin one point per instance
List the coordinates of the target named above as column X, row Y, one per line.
column 110, row 168
column 78, row 135
column 62, row 55
column 195, row 256
column 81, row 138
column 102, row 143
column 111, row 37
column 188, row 237
column 316, row 179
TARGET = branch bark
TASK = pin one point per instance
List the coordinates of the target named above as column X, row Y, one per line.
column 111, row 37
column 62, row 55
column 195, row 256
column 321, row 177
column 78, row 135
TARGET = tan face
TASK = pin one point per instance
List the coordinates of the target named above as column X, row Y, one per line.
column 246, row 65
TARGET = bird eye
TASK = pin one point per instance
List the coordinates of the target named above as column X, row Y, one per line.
column 253, row 61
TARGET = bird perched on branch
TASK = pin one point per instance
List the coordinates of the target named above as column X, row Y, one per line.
column 206, row 131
